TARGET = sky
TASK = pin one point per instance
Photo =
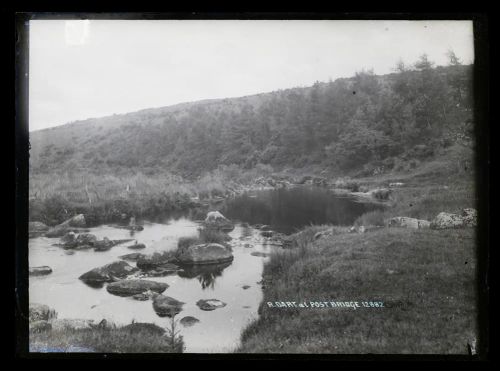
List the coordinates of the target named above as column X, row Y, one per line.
column 82, row 69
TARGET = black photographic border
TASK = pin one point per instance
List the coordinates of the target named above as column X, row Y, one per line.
column 482, row 163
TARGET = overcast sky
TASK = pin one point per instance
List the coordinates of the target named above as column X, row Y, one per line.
column 84, row 69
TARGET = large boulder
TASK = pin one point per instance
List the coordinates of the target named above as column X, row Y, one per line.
column 40, row 271
column 133, row 287
column 165, row 306
column 108, row 273
column 36, row 229
column 40, row 312
column 405, row 222
column 468, row 218
column 207, row 253
column 216, row 220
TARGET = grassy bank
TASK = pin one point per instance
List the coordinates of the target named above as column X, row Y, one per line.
column 424, row 278
column 54, row 197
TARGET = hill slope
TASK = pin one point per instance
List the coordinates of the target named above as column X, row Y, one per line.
column 349, row 125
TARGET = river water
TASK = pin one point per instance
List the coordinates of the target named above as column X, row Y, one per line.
column 218, row 330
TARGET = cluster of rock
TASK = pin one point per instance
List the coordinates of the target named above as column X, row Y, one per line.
column 467, row 218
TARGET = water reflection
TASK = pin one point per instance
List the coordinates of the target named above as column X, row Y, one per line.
column 288, row 210
column 205, row 274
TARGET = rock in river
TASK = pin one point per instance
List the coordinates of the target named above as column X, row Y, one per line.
column 135, row 256
column 40, row 271
column 137, row 246
column 133, row 287
column 208, row 253
column 210, row 304
column 108, row 273
column 165, row 306
column 216, row 220
column 189, row 321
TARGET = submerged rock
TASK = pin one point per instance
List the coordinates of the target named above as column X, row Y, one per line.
column 165, row 306
column 189, row 321
column 208, row 253
column 40, row 271
column 405, row 222
column 210, row 304
column 216, row 220
column 133, row 287
column 108, row 273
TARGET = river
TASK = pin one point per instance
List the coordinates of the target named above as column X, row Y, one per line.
column 285, row 210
